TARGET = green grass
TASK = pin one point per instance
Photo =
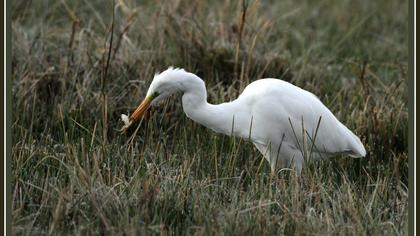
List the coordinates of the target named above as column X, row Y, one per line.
column 74, row 173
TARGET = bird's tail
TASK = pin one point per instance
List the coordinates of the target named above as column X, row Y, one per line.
column 357, row 149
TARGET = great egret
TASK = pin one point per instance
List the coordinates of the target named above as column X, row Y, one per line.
column 286, row 123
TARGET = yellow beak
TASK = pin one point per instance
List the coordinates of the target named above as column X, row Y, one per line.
column 141, row 109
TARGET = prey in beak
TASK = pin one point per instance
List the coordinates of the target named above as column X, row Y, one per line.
column 137, row 114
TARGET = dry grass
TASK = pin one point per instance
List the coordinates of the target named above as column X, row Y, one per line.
column 74, row 173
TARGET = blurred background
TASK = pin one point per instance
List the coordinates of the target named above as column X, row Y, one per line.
column 77, row 65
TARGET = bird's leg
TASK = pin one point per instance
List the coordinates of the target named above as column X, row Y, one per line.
column 298, row 168
column 273, row 168
column 297, row 162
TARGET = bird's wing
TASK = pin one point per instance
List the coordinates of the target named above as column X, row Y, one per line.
column 281, row 108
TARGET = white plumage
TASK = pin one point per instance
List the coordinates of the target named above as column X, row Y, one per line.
column 286, row 123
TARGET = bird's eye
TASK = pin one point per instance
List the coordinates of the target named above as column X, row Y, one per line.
column 155, row 94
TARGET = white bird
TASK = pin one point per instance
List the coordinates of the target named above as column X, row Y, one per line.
column 287, row 124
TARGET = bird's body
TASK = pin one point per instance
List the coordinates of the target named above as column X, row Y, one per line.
column 285, row 122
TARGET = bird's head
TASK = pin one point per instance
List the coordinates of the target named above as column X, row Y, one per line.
column 163, row 85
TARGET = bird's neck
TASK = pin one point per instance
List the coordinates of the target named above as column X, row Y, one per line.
column 217, row 117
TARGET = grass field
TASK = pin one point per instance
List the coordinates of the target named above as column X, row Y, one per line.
column 73, row 172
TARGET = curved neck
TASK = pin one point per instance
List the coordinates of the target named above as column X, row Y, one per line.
column 217, row 117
